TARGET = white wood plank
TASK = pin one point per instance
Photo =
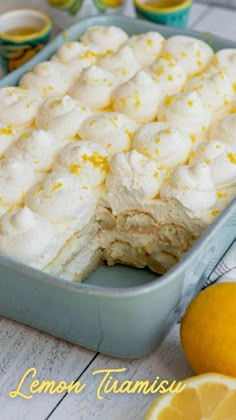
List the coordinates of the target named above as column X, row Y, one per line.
column 168, row 362
column 197, row 10
column 21, row 348
column 220, row 22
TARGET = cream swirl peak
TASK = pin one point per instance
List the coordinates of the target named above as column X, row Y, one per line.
column 16, row 177
column 87, row 160
column 61, row 197
column 128, row 169
column 221, row 159
column 25, row 235
column 94, row 88
column 62, row 114
column 186, row 111
column 76, row 56
column 146, row 47
column 169, row 74
column 192, row 186
column 38, row 147
column 192, row 53
column 112, row 130
column 48, row 79
column 18, row 106
column 214, row 91
column 167, row 145
column 122, row 63
column 138, row 98
column 104, row 38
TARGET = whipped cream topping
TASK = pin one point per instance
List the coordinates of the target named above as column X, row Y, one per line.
column 61, row 196
column 38, row 147
column 138, row 98
column 122, row 63
column 146, row 47
column 76, row 56
column 104, row 38
column 48, row 79
column 169, row 74
column 192, row 186
column 224, row 130
column 64, row 115
column 214, row 91
column 94, row 88
column 186, row 110
column 8, row 134
column 25, row 235
column 165, row 144
column 192, row 53
column 112, row 130
column 16, row 177
column 226, row 61
column 87, row 160
column 18, row 106
column 221, row 159
column 128, row 169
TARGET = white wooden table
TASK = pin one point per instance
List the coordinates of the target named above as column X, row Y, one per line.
column 22, row 347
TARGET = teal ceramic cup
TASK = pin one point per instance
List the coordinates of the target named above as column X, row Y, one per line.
column 166, row 12
column 23, row 33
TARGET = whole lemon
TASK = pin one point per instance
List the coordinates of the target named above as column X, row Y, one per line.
column 208, row 330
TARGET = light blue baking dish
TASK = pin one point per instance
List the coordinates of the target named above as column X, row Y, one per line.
column 119, row 310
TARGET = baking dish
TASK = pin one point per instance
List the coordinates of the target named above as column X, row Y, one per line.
column 121, row 311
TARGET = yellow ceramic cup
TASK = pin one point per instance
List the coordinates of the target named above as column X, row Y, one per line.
column 23, row 32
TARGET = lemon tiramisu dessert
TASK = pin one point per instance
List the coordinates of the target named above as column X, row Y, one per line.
column 119, row 150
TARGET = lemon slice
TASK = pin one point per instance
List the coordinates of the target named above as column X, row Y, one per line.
column 205, row 397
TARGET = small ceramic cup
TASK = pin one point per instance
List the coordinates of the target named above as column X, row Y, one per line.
column 23, row 32
column 166, row 12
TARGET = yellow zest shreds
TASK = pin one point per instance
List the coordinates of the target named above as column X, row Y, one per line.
column 69, row 45
column 166, row 57
column 193, row 138
column 157, row 140
column 218, row 146
column 191, row 154
column 128, row 132
column 208, row 161
column 1, row 200
column 92, row 123
column 160, row 70
column 10, row 209
column 64, row 35
column 98, row 161
column 55, row 102
column 6, row 131
column 215, row 213
column 234, row 87
column 47, row 89
column 90, row 55
column 84, row 188
column 232, row 158
column 115, row 125
column 108, row 145
column 168, row 100
column 199, row 63
column 36, row 162
column 221, row 195
column 170, row 78
column 47, row 196
column 123, row 101
column 137, row 102
column 198, row 54
column 35, row 192
column 149, row 42
column 23, row 87
column 106, row 54
column 75, row 169
column 56, row 186
column 183, row 54
column 123, row 72
column 190, row 103
column 198, row 87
